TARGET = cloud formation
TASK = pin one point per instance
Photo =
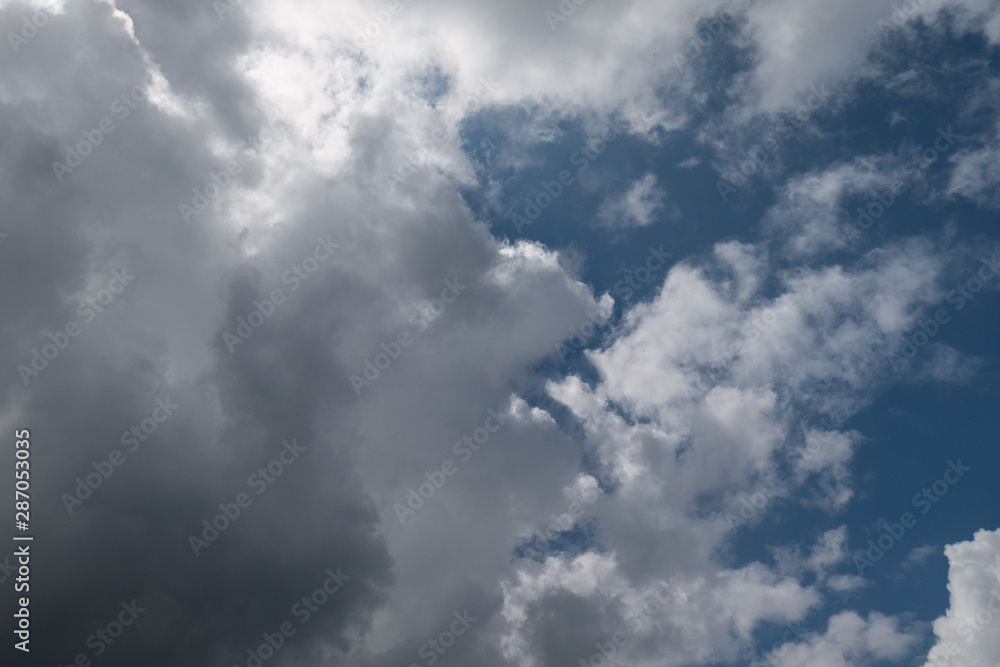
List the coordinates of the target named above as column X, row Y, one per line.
column 280, row 220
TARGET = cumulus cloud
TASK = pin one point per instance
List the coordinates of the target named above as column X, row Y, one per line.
column 850, row 640
column 966, row 634
column 674, row 622
column 290, row 187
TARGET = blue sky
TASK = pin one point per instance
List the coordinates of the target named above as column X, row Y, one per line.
column 667, row 330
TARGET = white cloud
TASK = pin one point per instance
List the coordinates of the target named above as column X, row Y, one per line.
column 807, row 42
column 969, row 15
column 849, row 640
column 810, row 217
column 846, row 583
column 669, row 437
column 976, row 172
column 680, row 620
column 636, row 207
column 697, row 396
column 968, row 635
column 919, row 555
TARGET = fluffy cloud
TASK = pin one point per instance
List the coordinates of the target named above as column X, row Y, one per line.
column 849, row 640
column 966, row 635
column 700, row 396
column 674, row 622
column 673, row 430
